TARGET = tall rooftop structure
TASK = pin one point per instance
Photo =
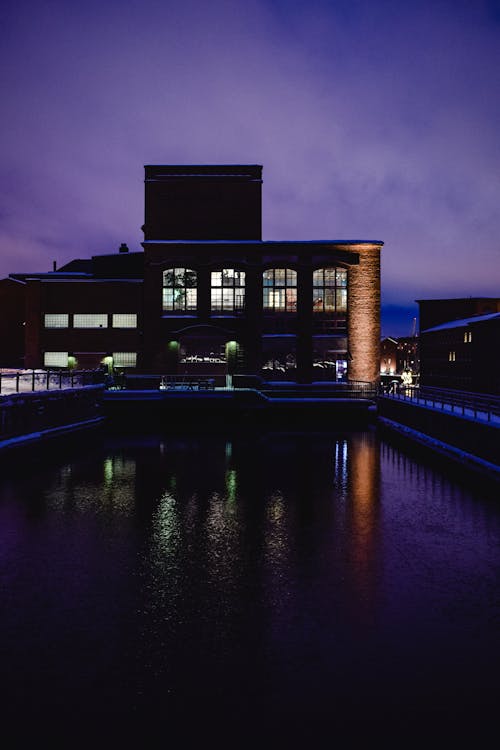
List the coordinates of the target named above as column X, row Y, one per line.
column 222, row 202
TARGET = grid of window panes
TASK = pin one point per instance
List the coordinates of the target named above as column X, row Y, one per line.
column 279, row 290
column 330, row 290
column 124, row 359
column 90, row 320
column 179, row 289
column 55, row 359
column 56, row 320
column 124, row 320
column 228, row 290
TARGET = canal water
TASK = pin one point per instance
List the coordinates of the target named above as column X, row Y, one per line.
column 306, row 589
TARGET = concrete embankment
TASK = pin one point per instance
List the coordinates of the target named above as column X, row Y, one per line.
column 35, row 418
column 473, row 443
column 240, row 407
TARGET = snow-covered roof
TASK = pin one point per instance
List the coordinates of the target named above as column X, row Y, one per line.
column 463, row 322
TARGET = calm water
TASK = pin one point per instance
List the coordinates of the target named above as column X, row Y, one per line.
column 278, row 586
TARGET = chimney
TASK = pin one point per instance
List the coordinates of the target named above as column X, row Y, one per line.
column 54, row 265
column 123, row 248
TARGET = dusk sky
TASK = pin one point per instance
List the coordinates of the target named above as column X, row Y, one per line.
column 373, row 119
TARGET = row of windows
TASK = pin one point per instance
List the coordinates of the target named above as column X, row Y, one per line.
column 61, row 359
column 279, row 290
column 90, row 320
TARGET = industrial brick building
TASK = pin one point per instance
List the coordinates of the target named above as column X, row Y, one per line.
column 207, row 295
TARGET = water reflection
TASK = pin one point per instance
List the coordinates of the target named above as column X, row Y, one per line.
column 363, row 521
column 297, row 572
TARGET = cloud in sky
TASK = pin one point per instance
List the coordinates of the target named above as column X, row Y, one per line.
column 373, row 119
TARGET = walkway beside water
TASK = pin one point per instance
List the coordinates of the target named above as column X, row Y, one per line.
column 477, row 406
column 463, row 429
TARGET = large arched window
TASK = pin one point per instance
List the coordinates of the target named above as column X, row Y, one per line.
column 330, row 290
column 227, row 290
column 179, row 289
column 280, row 290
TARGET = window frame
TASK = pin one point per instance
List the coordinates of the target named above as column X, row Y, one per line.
column 55, row 325
column 89, row 326
column 223, row 296
column 54, row 364
column 188, row 293
column 114, row 316
column 132, row 355
column 281, row 287
column 330, row 290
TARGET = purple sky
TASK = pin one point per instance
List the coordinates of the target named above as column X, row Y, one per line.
column 373, row 120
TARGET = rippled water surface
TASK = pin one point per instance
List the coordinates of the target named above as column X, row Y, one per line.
column 274, row 586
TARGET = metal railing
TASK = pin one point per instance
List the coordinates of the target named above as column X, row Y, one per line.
column 348, row 389
column 464, row 403
column 24, row 381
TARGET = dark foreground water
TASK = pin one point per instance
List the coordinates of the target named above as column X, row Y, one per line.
column 287, row 589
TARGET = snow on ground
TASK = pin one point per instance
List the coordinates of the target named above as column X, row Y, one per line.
column 27, row 381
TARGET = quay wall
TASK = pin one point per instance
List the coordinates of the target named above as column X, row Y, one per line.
column 32, row 418
column 28, row 418
column 245, row 409
column 475, row 438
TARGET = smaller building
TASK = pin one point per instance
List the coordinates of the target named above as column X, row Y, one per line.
column 461, row 353
column 398, row 355
column 388, row 356
column 408, row 357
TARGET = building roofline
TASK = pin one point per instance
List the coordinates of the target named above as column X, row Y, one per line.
column 463, row 322
column 10, row 277
column 66, row 275
column 77, row 277
column 189, row 167
column 262, row 242
column 117, row 254
column 457, row 299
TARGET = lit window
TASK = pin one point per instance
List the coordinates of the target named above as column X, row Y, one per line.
column 451, row 357
column 330, row 290
column 280, row 290
column 228, row 290
column 179, row 289
column 56, row 320
column 90, row 320
column 124, row 359
column 279, row 356
column 124, row 320
column 467, row 337
column 55, row 359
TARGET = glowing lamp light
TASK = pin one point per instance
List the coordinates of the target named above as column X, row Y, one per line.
column 407, row 378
